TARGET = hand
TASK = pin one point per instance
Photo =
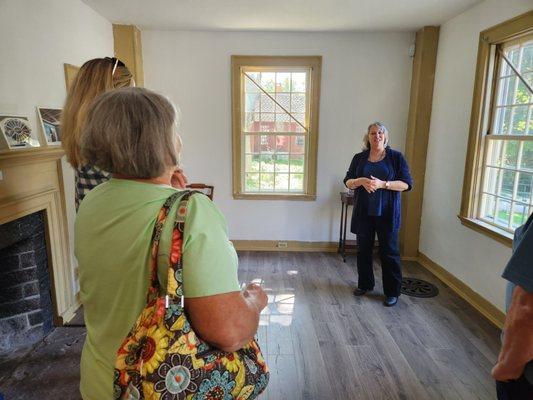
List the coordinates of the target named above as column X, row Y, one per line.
column 504, row 373
column 178, row 179
column 379, row 184
column 256, row 294
column 369, row 185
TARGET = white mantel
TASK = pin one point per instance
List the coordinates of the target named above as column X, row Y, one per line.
column 31, row 180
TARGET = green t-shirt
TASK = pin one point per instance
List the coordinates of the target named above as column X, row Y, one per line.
column 113, row 234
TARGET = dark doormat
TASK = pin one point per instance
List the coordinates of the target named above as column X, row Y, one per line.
column 418, row 288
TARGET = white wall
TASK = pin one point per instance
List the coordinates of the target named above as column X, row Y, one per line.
column 472, row 257
column 37, row 37
column 365, row 77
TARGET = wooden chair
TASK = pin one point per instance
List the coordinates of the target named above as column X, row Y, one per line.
column 201, row 187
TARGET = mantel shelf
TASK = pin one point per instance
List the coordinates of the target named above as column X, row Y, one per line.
column 30, row 156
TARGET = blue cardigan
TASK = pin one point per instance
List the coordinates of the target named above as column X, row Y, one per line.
column 391, row 199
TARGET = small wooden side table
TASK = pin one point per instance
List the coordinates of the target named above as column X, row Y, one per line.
column 347, row 200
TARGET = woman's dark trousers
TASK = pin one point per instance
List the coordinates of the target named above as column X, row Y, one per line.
column 391, row 269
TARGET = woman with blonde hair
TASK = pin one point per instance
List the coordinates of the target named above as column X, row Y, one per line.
column 95, row 77
column 378, row 175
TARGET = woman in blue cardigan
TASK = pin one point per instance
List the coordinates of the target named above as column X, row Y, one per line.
column 378, row 175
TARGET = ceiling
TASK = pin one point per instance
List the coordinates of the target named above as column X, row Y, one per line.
column 281, row 15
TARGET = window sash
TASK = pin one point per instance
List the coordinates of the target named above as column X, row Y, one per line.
column 244, row 133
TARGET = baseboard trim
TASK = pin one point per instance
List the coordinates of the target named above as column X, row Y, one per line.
column 487, row 309
column 291, row 245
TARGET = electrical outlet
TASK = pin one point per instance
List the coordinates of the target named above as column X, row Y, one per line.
column 282, row 245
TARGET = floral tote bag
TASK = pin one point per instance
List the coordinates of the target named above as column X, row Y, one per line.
column 163, row 358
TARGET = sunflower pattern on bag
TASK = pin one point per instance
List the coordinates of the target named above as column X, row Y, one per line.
column 163, row 359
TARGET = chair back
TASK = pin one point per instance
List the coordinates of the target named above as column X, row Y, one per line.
column 208, row 190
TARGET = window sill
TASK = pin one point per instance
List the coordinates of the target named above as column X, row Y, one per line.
column 269, row 196
column 488, row 230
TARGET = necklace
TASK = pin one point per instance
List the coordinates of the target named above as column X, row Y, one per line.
column 380, row 157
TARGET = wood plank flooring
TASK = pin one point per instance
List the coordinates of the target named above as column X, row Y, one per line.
column 321, row 342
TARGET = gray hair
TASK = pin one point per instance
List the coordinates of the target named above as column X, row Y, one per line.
column 381, row 126
column 131, row 131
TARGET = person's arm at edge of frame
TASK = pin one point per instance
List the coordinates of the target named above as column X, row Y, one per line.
column 517, row 347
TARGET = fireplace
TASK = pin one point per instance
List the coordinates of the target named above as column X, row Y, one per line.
column 37, row 277
column 26, row 313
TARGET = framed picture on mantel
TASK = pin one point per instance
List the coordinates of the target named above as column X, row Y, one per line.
column 16, row 132
column 50, row 118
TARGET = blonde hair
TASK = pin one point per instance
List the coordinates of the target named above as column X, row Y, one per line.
column 132, row 132
column 94, row 77
column 382, row 128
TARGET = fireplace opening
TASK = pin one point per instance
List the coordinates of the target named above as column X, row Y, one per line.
column 26, row 309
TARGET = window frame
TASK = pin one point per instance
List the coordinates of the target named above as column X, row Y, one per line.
column 314, row 64
column 481, row 120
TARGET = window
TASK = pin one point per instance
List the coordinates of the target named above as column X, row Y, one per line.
column 275, row 118
column 497, row 195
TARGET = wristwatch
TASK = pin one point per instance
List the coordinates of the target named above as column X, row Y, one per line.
column 387, row 185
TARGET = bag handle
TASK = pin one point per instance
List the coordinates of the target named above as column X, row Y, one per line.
column 154, row 286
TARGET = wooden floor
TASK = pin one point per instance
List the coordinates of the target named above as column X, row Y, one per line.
column 320, row 341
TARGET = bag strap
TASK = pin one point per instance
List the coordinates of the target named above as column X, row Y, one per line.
column 154, row 286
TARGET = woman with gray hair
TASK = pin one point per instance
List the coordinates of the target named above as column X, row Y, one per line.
column 132, row 134
column 377, row 175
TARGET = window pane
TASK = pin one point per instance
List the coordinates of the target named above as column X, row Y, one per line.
column 520, row 213
column 298, row 103
column 252, row 144
column 267, row 163
column 494, row 152
column 267, row 182
column 251, row 162
column 250, row 87
column 268, row 123
column 511, row 54
column 523, row 191
column 283, row 122
column 527, row 156
column 284, row 99
column 251, row 182
column 252, row 102
column 283, row 82
column 298, row 144
column 282, row 144
column 507, row 184
column 503, row 212
column 268, row 81
column 502, row 120
column 510, row 153
column 282, row 182
column 299, row 81
column 519, row 119
column 252, row 122
column 297, row 163
column 282, row 163
column 506, row 93
column 523, row 95
column 297, row 182
column 491, row 180
column 527, row 58
column 267, row 105
column 488, row 207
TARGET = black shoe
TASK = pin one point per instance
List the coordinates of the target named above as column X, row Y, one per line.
column 360, row 292
column 390, row 301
